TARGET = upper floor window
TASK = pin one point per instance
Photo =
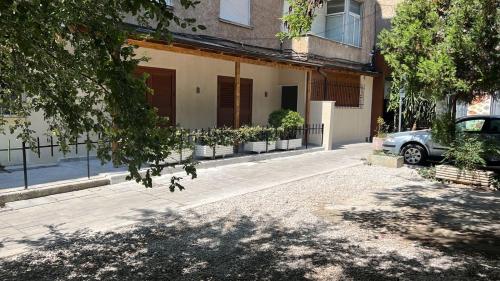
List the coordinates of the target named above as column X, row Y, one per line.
column 237, row 11
column 343, row 21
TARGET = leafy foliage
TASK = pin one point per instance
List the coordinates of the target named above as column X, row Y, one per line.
column 443, row 129
column 299, row 19
column 53, row 51
column 382, row 128
column 257, row 133
column 286, row 119
column 217, row 136
column 469, row 152
column 438, row 48
column 466, row 153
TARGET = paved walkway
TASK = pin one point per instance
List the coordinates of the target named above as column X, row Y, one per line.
column 26, row 223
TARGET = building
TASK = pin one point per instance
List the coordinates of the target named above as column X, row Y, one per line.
column 237, row 72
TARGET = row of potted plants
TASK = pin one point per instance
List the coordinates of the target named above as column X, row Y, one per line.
column 221, row 141
column 281, row 135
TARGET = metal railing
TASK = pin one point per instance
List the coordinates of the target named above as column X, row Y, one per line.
column 187, row 138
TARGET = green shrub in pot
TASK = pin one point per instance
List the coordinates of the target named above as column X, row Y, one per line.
column 257, row 133
column 287, row 121
column 217, row 136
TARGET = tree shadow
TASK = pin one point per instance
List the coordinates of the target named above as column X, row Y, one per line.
column 190, row 247
column 450, row 218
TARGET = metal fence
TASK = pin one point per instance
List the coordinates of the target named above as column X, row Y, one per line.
column 186, row 139
column 344, row 94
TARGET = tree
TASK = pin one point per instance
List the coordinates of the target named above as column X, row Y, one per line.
column 444, row 48
column 70, row 60
column 299, row 19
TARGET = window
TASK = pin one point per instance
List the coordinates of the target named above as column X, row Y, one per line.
column 236, row 11
column 471, row 126
column 494, row 126
column 169, row 2
column 343, row 21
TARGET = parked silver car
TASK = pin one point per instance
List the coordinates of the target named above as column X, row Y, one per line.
column 417, row 146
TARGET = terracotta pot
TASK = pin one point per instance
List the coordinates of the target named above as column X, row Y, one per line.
column 377, row 143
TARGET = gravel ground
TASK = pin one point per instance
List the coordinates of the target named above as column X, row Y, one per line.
column 361, row 223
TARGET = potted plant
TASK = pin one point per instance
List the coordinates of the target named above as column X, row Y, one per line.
column 465, row 161
column 258, row 139
column 215, row 142
column 183, row 149
column 286, row 122
column 380, row 135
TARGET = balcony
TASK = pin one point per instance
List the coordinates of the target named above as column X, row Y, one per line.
column 312, row 45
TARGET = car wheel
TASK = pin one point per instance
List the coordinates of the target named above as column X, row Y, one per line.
column 414, row 154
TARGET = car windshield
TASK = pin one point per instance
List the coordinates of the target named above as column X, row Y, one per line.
column 470, row 126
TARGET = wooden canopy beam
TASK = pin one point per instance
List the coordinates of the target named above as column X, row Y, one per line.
column 209, row 54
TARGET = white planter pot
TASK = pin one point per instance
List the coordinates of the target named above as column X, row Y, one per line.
column 207, row 151
column 259, row 146
column 288, row 144
column 175, row 157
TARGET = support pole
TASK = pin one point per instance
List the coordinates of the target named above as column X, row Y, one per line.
column 25, row 168
column 308, row 96
column 88, row 156
column 308, row 105
column 237, row 94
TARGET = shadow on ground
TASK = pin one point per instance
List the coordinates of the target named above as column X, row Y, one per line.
column 454, row 219
column 244, row 248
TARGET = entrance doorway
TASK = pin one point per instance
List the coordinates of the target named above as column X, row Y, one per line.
column 225, row 101
column 289, row 95
column 162, row 82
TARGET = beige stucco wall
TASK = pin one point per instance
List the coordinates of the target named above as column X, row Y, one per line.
column 297, row 78
column 385, row 11
column 352, row 125
column 322, row 112
column 265, row 22
column 200, row 110
column 40, row 128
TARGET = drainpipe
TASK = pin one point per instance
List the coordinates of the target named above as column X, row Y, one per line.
column 325, row 90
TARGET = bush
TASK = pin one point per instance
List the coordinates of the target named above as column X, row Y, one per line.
column 443, row 130
column 285, row 119
column 470, row 152
column 382, row 128
column 217, row 136
column 257, row 133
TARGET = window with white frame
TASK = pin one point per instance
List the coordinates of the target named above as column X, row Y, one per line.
column 236, row 11
column 343, row 21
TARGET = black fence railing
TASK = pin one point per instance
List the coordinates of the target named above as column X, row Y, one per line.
column 187, row 138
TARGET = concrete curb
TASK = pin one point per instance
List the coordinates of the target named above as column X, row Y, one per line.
column 109, row 179
column 50, row 190
column 204, row 164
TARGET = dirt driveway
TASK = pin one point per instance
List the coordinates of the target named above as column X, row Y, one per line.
column 360, row 223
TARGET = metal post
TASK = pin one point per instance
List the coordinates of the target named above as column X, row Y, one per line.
column 400, row 106
column 8, row 152
column 322, row 133
column 88, row 156
column 267, row 139
column 51, row 146
column 25, row 169
column 38, row 143
column 306, row 128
